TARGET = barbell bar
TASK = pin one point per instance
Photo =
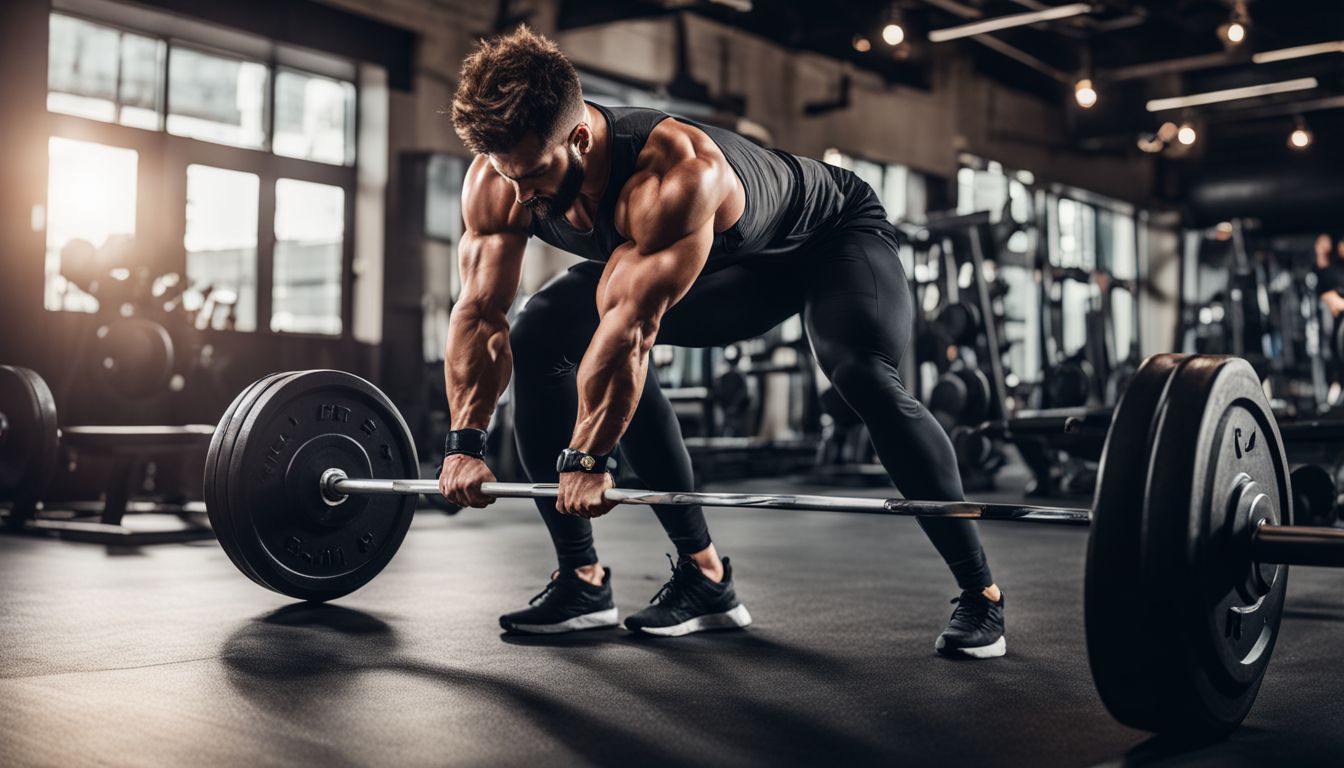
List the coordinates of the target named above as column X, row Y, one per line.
column 335, row 484
column 1189, row 539
column 1279, row 544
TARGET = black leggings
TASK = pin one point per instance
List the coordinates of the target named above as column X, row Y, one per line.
column 858, row 312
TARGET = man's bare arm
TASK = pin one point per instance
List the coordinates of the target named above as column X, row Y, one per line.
column 671, row 224
column 477, row 359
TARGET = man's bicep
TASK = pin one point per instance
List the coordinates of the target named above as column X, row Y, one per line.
column 647, row 284
column 490, row 267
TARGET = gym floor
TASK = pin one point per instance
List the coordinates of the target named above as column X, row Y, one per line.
column 167, row 655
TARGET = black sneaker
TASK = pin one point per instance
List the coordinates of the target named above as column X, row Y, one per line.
column 690, row 602
column 975, row 629
column 567, row 604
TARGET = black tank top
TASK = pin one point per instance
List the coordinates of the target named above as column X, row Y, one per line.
column 790, row 200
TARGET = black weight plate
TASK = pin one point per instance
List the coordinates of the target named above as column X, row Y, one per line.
column 1068, row 384
column 1207, row 628
column 1314, row 495
column 961, row 323
column 224, row 485
column 216, row 456
column 933, row 345
column 1121, row 667
column 948, row 398
column 974, row 449
column 135, row 357
column 294, row 542
column 1218, row 431
column 29, row 435
column 977, row 395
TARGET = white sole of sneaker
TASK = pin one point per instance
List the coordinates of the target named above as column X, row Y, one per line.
column 992, row 651
column 595, row 620
column 736, row 618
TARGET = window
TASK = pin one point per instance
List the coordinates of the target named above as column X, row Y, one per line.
column 314, row 118
column 1075, row 246
column 309, row 247
column 91, row 192
column 212, row 107
column 901, row 191
column 103, row 73
column 221, row 245
column 217, row 99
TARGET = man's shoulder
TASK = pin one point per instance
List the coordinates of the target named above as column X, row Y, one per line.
column 489, row 205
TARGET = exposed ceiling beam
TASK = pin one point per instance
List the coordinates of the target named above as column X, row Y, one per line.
column 1276, row 110
column 1169, row 66
column 957, row 9
column 1232, row 94
column 1009, row 22
column 1022, row 57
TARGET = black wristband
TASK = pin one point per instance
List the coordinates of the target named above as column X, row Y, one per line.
column 466, row 441
column 574, row 460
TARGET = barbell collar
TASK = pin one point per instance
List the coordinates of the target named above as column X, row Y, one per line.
column 1298, row 545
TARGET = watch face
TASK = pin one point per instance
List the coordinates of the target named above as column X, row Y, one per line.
column 587, row 462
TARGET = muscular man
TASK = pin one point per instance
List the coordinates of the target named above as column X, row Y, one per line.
column 693, row 236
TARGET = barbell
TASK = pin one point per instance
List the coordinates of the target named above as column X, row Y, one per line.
column 309, row 483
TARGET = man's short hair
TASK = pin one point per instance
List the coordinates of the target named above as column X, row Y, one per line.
column 513, row 85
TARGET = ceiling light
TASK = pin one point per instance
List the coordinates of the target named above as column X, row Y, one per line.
column 1298, row 52
column 892, row 34
column 1232, row 94
column 1085, row 94
column 1301, row 137
column 1233, row 31
column 1010, row 21
column 861, row 44
column 1186, row 135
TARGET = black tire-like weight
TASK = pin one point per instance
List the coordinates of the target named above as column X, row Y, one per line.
column 288, row 548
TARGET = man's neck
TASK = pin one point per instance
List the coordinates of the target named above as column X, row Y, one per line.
column 597, row 163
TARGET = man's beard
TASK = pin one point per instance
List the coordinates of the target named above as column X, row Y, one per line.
column 557, row 205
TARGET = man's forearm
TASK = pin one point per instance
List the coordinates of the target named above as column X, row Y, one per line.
column 477, row 364
column 610, row 379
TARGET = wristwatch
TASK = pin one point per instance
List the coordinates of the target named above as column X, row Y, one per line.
column 574, row 460
column 466, row 441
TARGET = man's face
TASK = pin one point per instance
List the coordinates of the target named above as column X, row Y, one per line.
column 546, row 180
column 1323, row 245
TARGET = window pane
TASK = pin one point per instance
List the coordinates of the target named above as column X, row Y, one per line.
column 90, row 198
column 142, row 61
column 869, row 172
column 82, row 68
column 309, row 240
column 221, row 245
column 83, row 61
column 216, row 99
column 314, row 118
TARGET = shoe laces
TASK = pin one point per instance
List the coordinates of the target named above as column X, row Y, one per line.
column 550, row 586
column 669, row 590
column 971, row 610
